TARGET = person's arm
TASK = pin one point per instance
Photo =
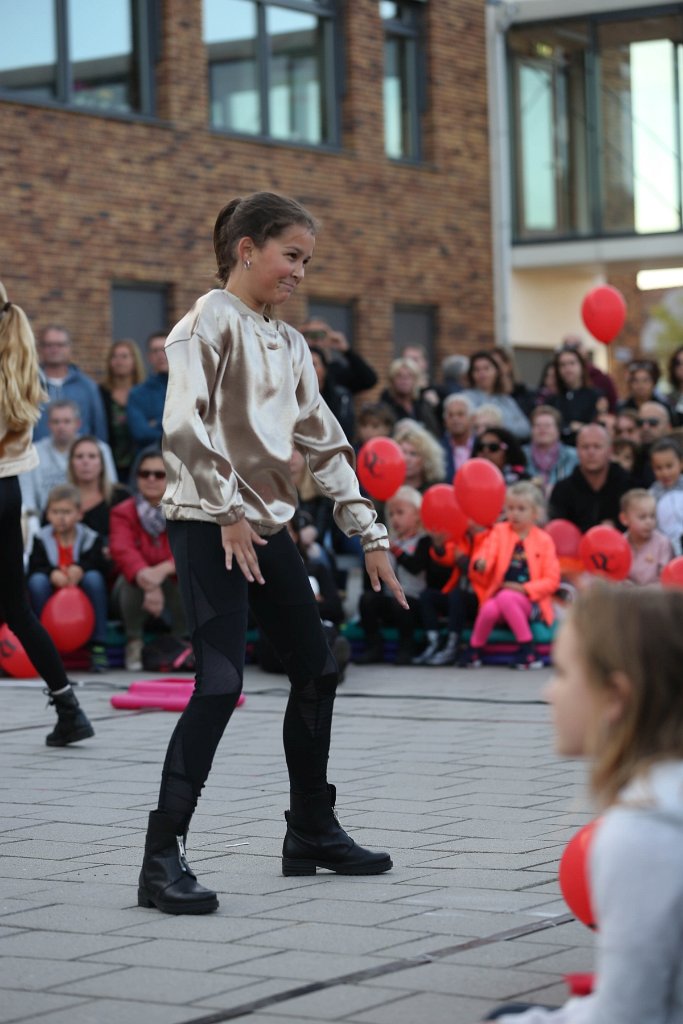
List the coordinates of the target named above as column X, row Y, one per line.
column 123, row 543
column 38, row 560
column 547, row 566
column 142, row 432
column 353, row 372
column 97, row 414
column 92, row 558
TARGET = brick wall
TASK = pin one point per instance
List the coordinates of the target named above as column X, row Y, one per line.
column 89, row 200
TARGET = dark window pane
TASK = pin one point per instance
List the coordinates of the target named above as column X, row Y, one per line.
column 28, row 48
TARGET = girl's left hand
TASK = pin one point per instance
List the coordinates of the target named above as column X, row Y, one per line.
column 379, row 570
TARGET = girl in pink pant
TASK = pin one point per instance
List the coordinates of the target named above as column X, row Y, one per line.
column 517, row 570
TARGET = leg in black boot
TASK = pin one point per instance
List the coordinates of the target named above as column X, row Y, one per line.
column 315, row 839
column 166, row 880
column 72, row 722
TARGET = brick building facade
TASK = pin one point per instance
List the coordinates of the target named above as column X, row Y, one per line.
column 89, row 200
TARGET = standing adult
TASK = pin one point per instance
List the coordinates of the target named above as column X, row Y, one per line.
column 524, row 396
column 345, row 367
column 674, row 398
column 486, row 388
column 595, row 377
column 20, row 396
column 642, row 376
column 576, row 400
column 242, row 394
column 591, row 494
column 146, row 400
column 63, row 380
column 458, row 438
column 125, row 370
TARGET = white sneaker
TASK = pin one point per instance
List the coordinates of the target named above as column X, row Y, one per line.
column 133, row 655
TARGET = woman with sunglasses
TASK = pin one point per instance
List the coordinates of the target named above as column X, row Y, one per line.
column 138, row 542
column 501, row 447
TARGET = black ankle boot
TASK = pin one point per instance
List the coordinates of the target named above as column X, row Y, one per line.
column 315, row 839
column 166, row 879
column 72, row 722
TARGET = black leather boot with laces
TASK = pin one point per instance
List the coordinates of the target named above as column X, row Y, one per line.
column 315, row 839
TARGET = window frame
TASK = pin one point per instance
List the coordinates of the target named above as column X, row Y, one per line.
column 594, row 170
column 331, row 81
column 145, row 21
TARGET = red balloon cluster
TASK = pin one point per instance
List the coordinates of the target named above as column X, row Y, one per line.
column 480, row 491
column 68, row 617
column 574, row 875
column 381, row 467
column 440, row 512
column 605, row 552
column 603, row 311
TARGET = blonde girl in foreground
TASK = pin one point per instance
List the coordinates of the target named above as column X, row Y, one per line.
column 20, row 397
column 617, row 698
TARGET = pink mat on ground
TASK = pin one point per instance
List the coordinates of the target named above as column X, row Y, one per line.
column 165, row 694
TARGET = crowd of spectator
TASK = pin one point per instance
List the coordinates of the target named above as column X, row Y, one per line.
column 91, row 506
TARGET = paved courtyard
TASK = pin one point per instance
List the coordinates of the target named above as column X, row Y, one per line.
column 452, row 771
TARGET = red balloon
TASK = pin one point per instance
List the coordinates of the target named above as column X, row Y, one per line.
column 605, row 552
column 69, row 618
column 604, row 312
column 480, row 491
column 440, row 512
column 13, row 658
column 575, row 877
column 381, row 467
column 672, row 573
column 566, row 535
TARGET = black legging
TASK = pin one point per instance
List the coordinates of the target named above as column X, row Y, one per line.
column 15, row 609
column 216, row 605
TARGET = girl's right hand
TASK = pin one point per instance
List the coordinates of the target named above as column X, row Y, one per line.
column 238, row 541
column 480, row 565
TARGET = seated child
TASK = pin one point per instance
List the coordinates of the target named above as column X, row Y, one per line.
column 650, row 549
column 515, row 572
column 66, row 553
column 667, row 466
column 452, row 596
column 617, row 699
column 377, row 609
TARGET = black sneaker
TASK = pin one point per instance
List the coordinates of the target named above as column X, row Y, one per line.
column 526, row 661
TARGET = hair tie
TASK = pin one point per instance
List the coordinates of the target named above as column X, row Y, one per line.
column 6, row 307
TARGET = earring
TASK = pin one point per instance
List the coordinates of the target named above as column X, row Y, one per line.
column 247, row 264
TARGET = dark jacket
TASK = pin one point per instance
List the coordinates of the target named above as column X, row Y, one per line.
column 575, row 406
column 436, row 575
column 574, row 499
column 146, row 410
column 87, row 551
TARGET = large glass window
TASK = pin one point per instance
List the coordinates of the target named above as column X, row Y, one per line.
column 403, row 77
column 272, row 68
column 78, row 52
column 597, row 125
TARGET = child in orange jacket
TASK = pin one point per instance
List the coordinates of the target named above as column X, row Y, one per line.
column 516, row 569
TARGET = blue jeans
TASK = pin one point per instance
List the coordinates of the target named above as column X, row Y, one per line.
column 92, row 585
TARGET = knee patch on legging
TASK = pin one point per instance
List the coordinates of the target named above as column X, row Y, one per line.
column 219, row 655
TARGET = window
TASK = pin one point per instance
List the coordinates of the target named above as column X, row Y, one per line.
column 415, row 325
column 272, row 68
column 338, row 316
column 137, row 310
column 597, row 117
column 403, row 78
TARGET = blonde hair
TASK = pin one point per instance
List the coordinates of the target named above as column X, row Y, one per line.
column 635, row 631
column 103, row 482
column 631, row 497
column 528, row 490
column 21, row 391
column 403, row 363
column 493, row 414
column 138, row 363
column 410, row 495
column 433, row 457
column 63, row 492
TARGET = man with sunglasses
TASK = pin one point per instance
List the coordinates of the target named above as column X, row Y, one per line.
column 654, row 422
